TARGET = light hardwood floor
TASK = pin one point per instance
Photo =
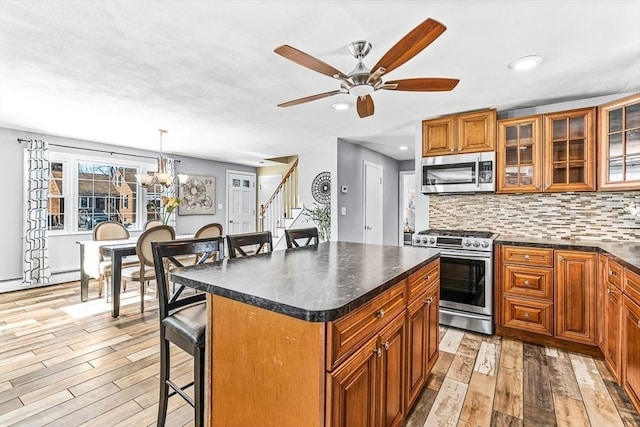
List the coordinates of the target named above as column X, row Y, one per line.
column 67, row 363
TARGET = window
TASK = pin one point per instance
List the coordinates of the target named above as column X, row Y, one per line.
column 85, row 191
column 56, row 196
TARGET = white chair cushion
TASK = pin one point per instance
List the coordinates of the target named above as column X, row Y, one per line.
column 133, row 273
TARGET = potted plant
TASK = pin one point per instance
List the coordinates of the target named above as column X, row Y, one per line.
column 321, row 215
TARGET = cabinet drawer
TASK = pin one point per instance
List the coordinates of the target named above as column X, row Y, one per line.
column 614, row 273
column 348, row 333
column 632, row 285
column 528, row 315
column 422, row 279
column 528, row 281
column 528, row 256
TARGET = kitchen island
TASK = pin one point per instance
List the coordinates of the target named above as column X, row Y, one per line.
column 338, row 334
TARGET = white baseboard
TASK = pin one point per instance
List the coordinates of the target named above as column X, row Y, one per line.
column 56, row 278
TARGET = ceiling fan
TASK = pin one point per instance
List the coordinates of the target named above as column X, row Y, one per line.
column 362, row 82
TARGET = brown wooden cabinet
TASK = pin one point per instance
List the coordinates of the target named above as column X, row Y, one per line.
column 575, row 296
column 619, row 144
column 551, row 152
column 610, row 297
column 548, row 292
column 392, row 343
column 461, row 133
column 570, row 145
column 519, row 155
column 631, row 350
column 422, row 341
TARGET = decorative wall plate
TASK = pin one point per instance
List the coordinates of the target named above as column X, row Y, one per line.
column 321, row 188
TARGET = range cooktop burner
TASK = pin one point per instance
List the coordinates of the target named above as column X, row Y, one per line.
column 457, row 233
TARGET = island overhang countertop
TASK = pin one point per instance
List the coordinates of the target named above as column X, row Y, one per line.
column 316, row 283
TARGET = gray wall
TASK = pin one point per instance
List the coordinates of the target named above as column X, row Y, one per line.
column 350, row 173
column 63, row 250
column 407, row 165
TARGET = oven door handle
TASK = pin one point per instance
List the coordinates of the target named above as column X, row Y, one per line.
column 466, row 255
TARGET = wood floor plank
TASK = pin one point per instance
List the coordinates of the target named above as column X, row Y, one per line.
column 626, row 410
column 115, row 415
column 508, row 395
column 536, row 385
column 500, row 419
column 43, row 405
column 478, row 403
column 487, row 361
column 469, row 345
column 537, row 416
column 445, row 411
column 561, row 376
column 439, row 371
column 418, row 415
column 587, row 374
column 451, row 340
column 570, row 412
column 600, row 408
column 511, row 356
column 461, row 368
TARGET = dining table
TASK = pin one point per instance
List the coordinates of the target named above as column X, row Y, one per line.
column 92, row 251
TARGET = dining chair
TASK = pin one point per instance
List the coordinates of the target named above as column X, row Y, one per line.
column 209, row 230
column 238, row 243
column 145, row 272
column 110, row 230
column 151, row 223
column 183, row 320
column 296, row 234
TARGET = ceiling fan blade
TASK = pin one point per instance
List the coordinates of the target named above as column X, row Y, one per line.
column 426, row 84
column 306, row 60
column 309, row 98
column 365, row 106
column 410, row 45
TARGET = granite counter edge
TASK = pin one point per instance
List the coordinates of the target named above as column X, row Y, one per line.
column 300, row 313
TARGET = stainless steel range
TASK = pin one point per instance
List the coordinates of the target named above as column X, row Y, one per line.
column 466, row 276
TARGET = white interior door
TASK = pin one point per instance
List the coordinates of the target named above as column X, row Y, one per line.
column 267, row 184
column 241, row 202
column 372, row 203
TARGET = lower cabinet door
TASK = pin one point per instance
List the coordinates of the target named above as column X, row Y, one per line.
column 528, row 315
column 433, row 326
column 631, row 350
column 353, row 389
column 417, row 339
column 392, row 373
column 575, row 296
column 613, row 308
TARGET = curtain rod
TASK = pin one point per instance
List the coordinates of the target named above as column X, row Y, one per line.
column 20, row 140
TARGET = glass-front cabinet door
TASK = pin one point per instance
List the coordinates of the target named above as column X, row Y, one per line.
column 519, row 154
column 619, row 144
column 570, row 151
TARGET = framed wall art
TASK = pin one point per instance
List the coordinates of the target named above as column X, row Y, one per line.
column 198, row 196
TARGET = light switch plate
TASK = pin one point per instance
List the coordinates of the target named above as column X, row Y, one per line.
column 344, row 190
column 343, row 210
column 219, row 205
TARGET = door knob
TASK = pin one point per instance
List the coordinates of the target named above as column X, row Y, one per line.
column 368, row 227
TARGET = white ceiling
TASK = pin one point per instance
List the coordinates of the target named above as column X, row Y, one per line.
column 116, row 71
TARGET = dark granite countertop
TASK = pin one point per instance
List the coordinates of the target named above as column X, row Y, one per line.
column 625, row 253
column 317, row 283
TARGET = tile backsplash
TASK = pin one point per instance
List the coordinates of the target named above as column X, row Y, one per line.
column 586, row 216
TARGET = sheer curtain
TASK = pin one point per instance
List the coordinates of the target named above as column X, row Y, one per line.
column 36, row 192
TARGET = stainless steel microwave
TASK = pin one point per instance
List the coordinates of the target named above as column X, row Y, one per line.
column 460, row 173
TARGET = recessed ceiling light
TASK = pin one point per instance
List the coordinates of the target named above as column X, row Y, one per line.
column 403, row 147
column 342, row 105
column 525, row 63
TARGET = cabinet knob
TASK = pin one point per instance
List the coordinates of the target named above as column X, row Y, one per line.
column 426, row 278
column 609, row 290
column 451, row 149
column 380, row 314
column 560, row 258
column 526, row 283
column 429, row 300
column 378, row 352
column 527, row 257
column 386, row 345
column 612, row 273
column 526, row 315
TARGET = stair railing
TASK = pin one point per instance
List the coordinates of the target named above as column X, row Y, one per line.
column 284, row 198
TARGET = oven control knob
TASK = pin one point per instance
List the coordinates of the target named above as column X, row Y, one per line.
column 476, row 243
column 485, row 244
column 467, row 243
column 432, row 240
column 424, row 240
column 416, row 240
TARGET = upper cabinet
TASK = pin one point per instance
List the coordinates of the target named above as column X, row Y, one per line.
column 519, row 155
column 551, row 152
column 462, row 133
column 619, row 144
column 570, row 146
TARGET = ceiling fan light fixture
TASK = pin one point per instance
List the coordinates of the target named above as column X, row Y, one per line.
column 361, row 90
column 342, row 105
column 525, row 63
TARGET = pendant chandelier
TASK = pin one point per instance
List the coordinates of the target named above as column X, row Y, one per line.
column 161, row 176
